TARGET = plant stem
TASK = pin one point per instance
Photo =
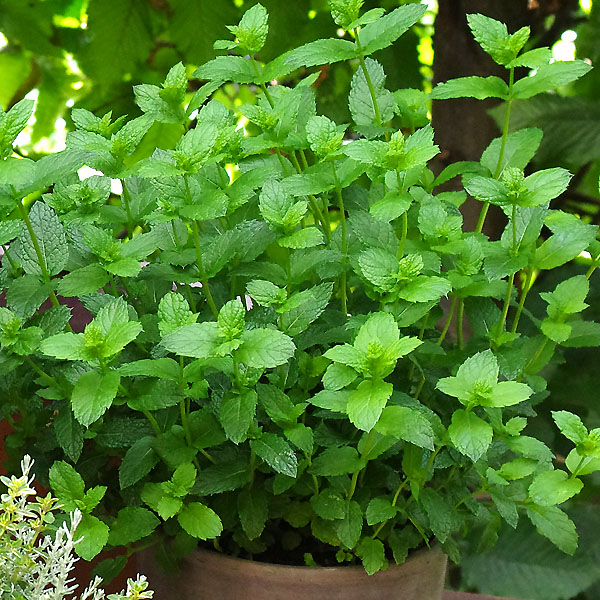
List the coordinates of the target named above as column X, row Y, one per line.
column 40, row 371
column 486, row 205
column 203, row 278
column 592, row 268
column 126, row 198
column 370, row 85
column 524, row 291
column 507, row 297
column 448, row 320
column 338, row 191
column 537, row 354
column 13, row 264
column 460, row 318
column 153, row 421
column 38, row 251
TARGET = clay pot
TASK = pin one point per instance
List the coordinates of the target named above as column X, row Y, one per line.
column 211, row 576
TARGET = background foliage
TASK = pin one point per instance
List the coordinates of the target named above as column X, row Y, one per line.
column 89, row 53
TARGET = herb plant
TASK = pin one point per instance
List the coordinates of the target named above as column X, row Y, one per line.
column 38, row 567
column 271, row 361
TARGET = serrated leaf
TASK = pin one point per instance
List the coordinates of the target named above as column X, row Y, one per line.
column 265, row 348
column 138, row 461
column 94, row 534
column 372, row 554
column 470, row 434
column 380, row 509
column 320, row 52
column 86, row 280
column 197, row 340
column 200, row 521
column 519, row 148
column 387, row 29
column 350, row 527
column 443, row 518
column 132, row 524
column 366, row 403
column 253, row 511
column 50, row 239
column 471, row 87
column 554, row 487
column 553, row 523
column 237, row 413
column 69, row 433
column 93, row 394
column 66, row 483
column 277, row 453
column 308, row 237
column 336, row 461
column 550, row 76
column 406, row 424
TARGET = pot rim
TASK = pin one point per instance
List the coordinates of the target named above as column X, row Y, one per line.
column 434, row 551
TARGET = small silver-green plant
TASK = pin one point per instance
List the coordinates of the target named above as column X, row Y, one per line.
column 36, row 554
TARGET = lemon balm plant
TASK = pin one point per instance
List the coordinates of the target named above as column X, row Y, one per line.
column 268, row 365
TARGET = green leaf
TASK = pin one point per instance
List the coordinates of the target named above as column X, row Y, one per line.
column 26, row 294
column 380, row 267
column 69, row 433
column 366, row 403
column 425, row 289
column 544, row 186
column 93, row 394
column 237, row 413
column 301, row 436
column 380, row 509
column 165, row 368
column 265, row 348
column 253, row 511
column 568, row 297
column 471, row 87
column 252, row 30
column 95, row 535
column 66, row 483
column 320, row 52
column 360, row 100
column 519, row 148
column 138, row 461
column 86, row 280
column 508, row 393
column 197, row 340
column 554, row 487
column 469, row 434
column 570, row 426
column 338, row 376
column 574, row 463
column 372, row 554
column 228, row 68
column 386, row 30
column 583, row 334
column 277, row 453
column 553, row 523
column 494, row 38
column 350, row 527
column 336, row 461
column 443, row 518
column 323, row 136
column 570, row 237
column 231, row 319
column 486, row 189
column 550, row 76
column 303, row 308
column 50, row 238
column 132, row 524
column 406, row 424
column 223, row 477
column 120, row 35
column 265, row 292
column 329, row 504
column 309, row 237
column 200, row 521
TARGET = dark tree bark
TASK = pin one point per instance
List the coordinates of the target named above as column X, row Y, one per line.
column 462, row 127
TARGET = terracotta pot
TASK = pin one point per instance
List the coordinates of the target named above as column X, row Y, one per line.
column 212, row 576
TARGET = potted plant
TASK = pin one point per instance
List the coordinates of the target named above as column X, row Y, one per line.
column 277, row 361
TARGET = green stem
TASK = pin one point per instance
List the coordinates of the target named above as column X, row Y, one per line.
column 448, row 320
column 509, row 286
column 175, row 236
column 353, row 486
column 486, row 205
column 460, row 315
column 126, row 198
column 338, row 191
column 537, row 354
column 263, row 86
column 40, row 371
column 370, row 85
column 38, row 251
column 203, row 278
column 153, row 421
column 527, row 284
column 592, row 268
column 13, row 264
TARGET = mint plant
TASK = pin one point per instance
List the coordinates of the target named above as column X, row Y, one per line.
column 270, row 363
